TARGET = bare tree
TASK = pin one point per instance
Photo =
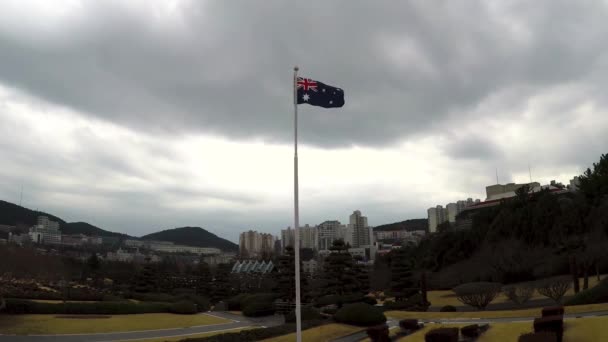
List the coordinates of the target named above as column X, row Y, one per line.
column 554, row 288
column 477, row 295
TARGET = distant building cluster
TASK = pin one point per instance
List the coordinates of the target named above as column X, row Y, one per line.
column 170, row 247
column 494, row 195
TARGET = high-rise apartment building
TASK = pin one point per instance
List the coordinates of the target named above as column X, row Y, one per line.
column 361, row 234
column 45, row 232
column 287, row 238
column 253, row 244
column 328, row 232
column 308, row 237
column 436, row 216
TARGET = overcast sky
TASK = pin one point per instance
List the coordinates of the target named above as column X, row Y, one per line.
column 137, row 116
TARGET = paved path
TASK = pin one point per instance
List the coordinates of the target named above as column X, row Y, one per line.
column 395, row 323
column 236, row 322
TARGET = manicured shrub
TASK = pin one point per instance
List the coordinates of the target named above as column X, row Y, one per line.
column 409, row 324
column 471, row 331
column 448, row 308
column 442, row 335
column 19, row 306
column 112, row 298
column 544, row 336
column 554, row 324
column 330, row 309
column 153, row 297
column 519, row 294
column 478, row 295
column 369, row 300
column 554, row 288
column 308, row 314
column 552, row 311
column 378, row 333
column 596, row 294
column 183, row 308
column 360, row 314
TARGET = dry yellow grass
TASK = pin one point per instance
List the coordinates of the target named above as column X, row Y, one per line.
column 326, row 332
column 492, row 314
column 51, row 324
column 182, row 337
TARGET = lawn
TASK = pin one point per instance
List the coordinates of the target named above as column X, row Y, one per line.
column 326, row 332
column 447, row 297
column 51, row 324
column 492, row 314
column 590, row 329
column 183, row 337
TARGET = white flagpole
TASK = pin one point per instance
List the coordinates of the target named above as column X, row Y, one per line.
column 296, row 207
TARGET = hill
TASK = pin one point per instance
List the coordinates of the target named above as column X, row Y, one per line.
column 88, row 229
column 408, row 225
column 12, row 214
column 193, row 236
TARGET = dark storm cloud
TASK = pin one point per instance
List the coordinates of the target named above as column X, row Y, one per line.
column 225, row 67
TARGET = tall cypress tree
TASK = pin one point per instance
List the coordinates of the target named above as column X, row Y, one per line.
column 286, row 276
column 146, row 280
column 221, row 288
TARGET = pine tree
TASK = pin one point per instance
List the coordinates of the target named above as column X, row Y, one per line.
column 362, row 275
column 402, row 282
column 286, row 276
column 339, row 274
column 221, row 288
column 146, row 280
column 203, row 278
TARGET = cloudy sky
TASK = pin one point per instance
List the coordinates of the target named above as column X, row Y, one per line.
column 143, row 115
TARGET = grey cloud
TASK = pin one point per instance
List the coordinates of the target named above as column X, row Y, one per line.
column 224, row 67
column 472, row 148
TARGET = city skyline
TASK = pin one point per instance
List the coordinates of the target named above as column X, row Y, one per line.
column 139, row 116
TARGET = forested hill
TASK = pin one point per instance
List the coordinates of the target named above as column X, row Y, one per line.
column 408, row 225
column 13, row 215
column 193, row 236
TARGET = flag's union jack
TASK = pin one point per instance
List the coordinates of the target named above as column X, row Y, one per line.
column 319, row 94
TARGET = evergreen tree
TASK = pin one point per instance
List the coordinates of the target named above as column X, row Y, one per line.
column 362, row 275
column 221, row 287
column 402, row 282
column 146, row 280
column 339, row 274
column 203, row 278
column 286, row 276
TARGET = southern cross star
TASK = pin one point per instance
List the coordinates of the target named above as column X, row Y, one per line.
column 305, row 97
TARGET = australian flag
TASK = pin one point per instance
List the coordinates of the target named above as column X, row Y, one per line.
column 319, row 94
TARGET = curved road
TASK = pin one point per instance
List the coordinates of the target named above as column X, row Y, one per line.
column 237, row 322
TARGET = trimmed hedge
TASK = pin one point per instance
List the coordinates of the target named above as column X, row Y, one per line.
column 258, row 309
column 552, row 311
column 442, row 335
column 544, row 336
column 239, row 302
column 554, row 324
column 20, row 306
column 409, row 324
column 448, row 308
column 256, row 334
column 360, row 314
column 378, row 333
column 471, row 331
column 596, row 294
column 346, row 299
column 308, row 314
column 183, row 308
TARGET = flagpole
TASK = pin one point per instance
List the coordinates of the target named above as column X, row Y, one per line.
column 296, row 215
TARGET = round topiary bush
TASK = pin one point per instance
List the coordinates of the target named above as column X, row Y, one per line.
column 448, row 308
column 360, row 314
column 308, row 314
column 183, row 307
